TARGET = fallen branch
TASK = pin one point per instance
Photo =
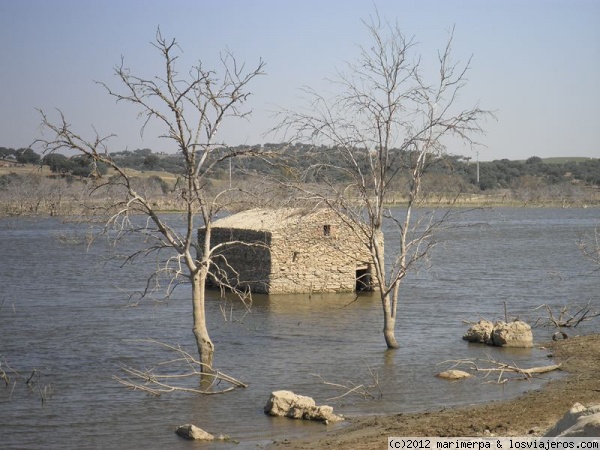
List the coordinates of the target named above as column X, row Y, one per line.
column 154, row 383
column 541, row 369
column 355, row 389
column 501, row 368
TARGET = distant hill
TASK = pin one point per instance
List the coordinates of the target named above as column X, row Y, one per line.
column 565, row 159
column 285, row 159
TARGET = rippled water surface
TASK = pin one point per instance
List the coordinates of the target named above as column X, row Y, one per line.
column 65, row 311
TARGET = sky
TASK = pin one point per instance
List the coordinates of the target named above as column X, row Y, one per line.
column 535, row 63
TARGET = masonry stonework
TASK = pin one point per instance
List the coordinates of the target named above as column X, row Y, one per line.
column 289, row 251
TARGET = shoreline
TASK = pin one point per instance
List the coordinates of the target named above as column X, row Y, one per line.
column 83, row 216
column 530, row 414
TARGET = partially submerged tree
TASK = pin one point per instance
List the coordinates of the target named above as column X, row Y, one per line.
column 589, row 245
column 190, row 111
column 387, row 125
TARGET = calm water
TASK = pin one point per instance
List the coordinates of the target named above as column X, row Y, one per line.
column 67, row 314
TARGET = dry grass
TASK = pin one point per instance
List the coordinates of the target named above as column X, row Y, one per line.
column 28, row 169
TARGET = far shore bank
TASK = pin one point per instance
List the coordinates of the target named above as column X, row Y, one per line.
column 530, row 414
column 82, row 210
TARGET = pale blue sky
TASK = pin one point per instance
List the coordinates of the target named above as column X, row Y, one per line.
column 536, row 63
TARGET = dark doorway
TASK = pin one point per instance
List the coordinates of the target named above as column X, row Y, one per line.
column 363, row 279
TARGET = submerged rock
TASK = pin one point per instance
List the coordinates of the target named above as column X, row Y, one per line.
column 192, row 432
column 288, row 404
column 454, row 374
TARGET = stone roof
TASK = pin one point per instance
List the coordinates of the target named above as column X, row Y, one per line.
column 268, row 219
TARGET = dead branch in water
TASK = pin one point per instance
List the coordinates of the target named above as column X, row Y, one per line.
column 5, row 374
column 494, row 366
column 567, row 319
column 357, row 389
column 153, row 383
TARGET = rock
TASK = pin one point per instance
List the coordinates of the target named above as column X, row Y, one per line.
column 512, row 334
column 281, row 402
column 454, row 374
column 192, row 432
column 578, row 422
column 480, row 332
column 501, row 334
column 288, row 404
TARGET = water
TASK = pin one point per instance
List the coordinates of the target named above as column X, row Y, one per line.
column 65, row 311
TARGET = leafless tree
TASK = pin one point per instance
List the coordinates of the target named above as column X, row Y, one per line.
column 190, row 109
column 589, row 245
column 387, row 125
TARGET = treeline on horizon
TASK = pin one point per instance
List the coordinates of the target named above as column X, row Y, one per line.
column 298, row 158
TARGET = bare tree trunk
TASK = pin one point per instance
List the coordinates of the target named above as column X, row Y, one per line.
column 206, row 348
column 389, row 323
column 388, row 301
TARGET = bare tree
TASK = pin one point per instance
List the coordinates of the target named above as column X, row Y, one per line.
column 190, row 109
column 589, row 245
column 386, row 126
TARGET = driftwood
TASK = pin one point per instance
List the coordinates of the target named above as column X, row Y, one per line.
column 489, row 366
column 153, row 383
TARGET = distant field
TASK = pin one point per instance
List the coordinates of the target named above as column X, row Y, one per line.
column 26, row 169
column 167, row 176
column 45, row 170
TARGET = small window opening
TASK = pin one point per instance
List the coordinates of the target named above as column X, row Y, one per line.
column 326, row 230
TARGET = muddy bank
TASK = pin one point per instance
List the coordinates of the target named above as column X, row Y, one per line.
column 529, row 414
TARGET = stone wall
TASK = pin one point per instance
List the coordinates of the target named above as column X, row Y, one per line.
column 299, row 253
column 307, row 258
column 244, row 262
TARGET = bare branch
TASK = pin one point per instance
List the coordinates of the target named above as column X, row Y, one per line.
column 351, row 388
column 157, row 383
column 567, row 318
column 491, row 366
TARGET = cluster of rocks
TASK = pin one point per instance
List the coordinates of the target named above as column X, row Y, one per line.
column 288, row 404
column 500, row 334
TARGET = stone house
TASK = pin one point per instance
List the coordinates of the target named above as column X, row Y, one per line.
column 289, row 250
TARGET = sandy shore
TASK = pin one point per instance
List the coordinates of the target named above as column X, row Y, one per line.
column 530, row 414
